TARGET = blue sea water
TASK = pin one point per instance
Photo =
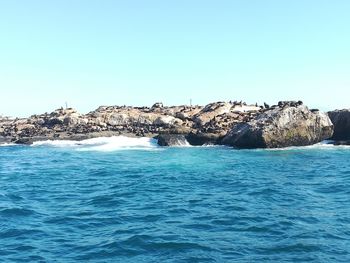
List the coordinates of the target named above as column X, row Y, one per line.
column 127, row 200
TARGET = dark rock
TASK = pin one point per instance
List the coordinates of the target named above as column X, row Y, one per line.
column 199, row 139
column 25, row 140
column 157, row 105
column 4, row 140
column 54, row 121
column 341, row 143
column 171, row 140
column 341, row 122
column 281, row 127
column 289, row 103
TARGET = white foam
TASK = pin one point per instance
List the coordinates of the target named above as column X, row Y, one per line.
column 7, row 144
column 321, row 145
column 103, row 144
column 182, row 144
column 116, row 143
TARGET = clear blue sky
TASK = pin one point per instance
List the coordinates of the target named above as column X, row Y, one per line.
column 103, row 52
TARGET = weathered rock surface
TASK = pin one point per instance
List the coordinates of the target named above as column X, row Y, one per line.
column 210, row 111
column 172, row 140
column 198, row 139
column 201, row 124
column 231, row 123
column 287, row 124
column 341, row 122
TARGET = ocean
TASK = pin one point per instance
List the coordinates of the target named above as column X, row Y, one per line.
column 127, row 200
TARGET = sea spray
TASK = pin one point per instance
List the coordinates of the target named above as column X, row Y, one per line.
column 103, row 143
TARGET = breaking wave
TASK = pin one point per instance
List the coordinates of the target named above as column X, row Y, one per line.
column 7, row 144
column 143, row 143
column 103, row 144
column 327, row 144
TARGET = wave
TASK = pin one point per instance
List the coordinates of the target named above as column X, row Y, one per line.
column 327, row 144
column 144, row 143
column 104, row 144
column 7, row 144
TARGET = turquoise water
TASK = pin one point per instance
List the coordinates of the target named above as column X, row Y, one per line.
column 102, row 202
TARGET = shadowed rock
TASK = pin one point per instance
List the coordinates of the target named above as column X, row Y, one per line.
column 341, row 122
column 172, row 140
column 199, row 139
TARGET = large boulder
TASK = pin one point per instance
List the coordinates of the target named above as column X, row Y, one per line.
column 167, row 121
column 199, row 139
column 341, row 122
column 74, row 119
column 211, row 111
column 281, row 126
column 134, row 117
column 172, row 140
column 68, row 117
column 118, row 119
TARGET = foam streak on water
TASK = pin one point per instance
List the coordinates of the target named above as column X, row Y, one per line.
column 103, row 143
column 7, row 144
column 90, row 202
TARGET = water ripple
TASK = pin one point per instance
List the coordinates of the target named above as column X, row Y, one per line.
column 192, row 204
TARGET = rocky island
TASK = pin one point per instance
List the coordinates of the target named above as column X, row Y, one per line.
column 233, row 123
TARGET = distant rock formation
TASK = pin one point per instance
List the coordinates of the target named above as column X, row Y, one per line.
column 232, row 123
column 288, row 124
column 215, row 118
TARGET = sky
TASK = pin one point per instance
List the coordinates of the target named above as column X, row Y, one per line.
column 136, row 52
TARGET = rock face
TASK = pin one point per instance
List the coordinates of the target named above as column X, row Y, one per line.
column 231, row 123
column 341, row 122
column 287, row 124
column 210, row 111
column 198, row 139
column 172, row 140
column 199, row 124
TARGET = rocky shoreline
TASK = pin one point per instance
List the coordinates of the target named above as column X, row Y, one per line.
column 236, row 124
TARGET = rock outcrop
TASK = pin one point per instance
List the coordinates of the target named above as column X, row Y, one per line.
column 287, row 124
column 231, row 123
column 172, row 140
column 200, row 124
column 341, row 122
column 210, row 111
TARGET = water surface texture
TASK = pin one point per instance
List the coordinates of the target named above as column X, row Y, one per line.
column 107, row 201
